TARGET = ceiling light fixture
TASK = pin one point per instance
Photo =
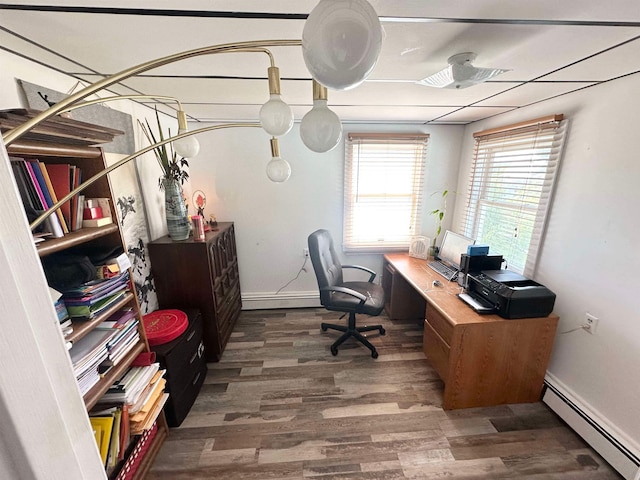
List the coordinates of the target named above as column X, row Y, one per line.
column 278, row 169
column 460, row 73
column 276, row 116
column 186, row 147
column 320, row 128
column 341, row 42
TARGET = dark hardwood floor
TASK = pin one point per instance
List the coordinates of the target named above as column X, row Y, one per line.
column 279, row 406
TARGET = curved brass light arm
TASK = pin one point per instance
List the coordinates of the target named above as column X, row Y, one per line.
column 12, row 135
column 119, row 163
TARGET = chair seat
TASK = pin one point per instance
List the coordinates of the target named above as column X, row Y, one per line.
column 345, row 302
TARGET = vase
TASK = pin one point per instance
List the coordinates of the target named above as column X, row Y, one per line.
column 175, row 210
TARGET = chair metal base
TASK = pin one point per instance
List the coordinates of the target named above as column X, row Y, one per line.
column 352, row 331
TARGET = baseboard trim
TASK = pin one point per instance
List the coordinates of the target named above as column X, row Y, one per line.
column 270, row 300
column 617, row 449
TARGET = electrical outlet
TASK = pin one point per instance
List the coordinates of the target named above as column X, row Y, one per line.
column 305, row 252
column 590, row 324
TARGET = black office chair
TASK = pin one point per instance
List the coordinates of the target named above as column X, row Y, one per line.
column 341, row 296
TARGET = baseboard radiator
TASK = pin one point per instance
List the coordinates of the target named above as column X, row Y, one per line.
column 616, row 450
column 270, row 300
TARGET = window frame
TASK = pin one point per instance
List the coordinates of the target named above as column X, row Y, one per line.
column 528, row 154
column 363, row 155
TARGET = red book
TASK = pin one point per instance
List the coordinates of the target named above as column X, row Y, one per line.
column 59, row 175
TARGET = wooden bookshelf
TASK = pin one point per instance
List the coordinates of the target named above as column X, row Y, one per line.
column 66, row 141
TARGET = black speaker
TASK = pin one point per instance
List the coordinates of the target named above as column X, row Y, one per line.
column 477, row 263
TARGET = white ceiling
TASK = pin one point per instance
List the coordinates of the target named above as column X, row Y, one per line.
column 551, row 47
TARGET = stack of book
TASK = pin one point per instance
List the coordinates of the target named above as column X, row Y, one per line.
column 87, row 354
column 124, row 325
column 142, row 390
column 95, row 296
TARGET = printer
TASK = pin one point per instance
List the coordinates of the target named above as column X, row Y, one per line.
column 510, row 294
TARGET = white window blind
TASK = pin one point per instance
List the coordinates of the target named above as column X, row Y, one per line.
column 384, row 175
column 511, row 183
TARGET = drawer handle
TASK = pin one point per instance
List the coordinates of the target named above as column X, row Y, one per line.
column 194, row 356
column 195, row 380
column 191, row 335
column 200, row 349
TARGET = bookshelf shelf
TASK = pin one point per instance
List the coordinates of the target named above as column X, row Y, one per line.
column 73, row 239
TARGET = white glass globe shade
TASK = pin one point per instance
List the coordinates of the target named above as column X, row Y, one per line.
column 187, row 147
column 278, row 170
column 276, row 116
column 320, row 128
column 341, row 42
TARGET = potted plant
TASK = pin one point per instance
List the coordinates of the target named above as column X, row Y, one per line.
column 439, row 213
column 173, row 177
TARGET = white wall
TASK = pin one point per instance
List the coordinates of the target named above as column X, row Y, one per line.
column 273, row 221
column 590, row 257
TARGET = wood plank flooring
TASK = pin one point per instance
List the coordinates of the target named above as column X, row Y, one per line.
column 279, row 406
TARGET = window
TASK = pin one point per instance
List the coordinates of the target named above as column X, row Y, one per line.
column 512, row 178
column 383, row 181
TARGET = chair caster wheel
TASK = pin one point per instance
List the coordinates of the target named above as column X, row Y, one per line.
column 374, row 354
column 323, row 327
column 334, row 351
column 382, row 332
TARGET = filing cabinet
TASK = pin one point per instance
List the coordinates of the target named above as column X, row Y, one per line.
column 184, row 361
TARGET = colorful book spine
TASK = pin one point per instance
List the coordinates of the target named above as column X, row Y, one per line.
column 52, row 195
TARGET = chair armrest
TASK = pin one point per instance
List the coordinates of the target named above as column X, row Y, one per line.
column 368, row 270
column 346, row 290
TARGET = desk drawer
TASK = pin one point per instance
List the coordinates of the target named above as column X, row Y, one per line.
column 439, row 324
column 436, row 350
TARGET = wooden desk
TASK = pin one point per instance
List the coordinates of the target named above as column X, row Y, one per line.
column 483, row 360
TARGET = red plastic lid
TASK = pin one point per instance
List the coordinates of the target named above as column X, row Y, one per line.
column 162, row 326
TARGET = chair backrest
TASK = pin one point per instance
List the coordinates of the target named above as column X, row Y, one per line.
column 326, row 264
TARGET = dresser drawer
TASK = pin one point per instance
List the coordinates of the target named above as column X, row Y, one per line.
column 436, row 350
column 440, row 324
column 178, row 405
column 182, row 356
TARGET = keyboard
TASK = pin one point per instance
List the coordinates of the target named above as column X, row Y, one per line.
column 447, row 272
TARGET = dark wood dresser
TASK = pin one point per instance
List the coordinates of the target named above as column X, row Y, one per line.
column 202, row 276
column 183, row 358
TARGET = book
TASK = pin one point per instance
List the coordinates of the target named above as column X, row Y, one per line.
column 96, row 222
column 52, row 223
column 42, row 203
column 96, row 287
column 52, row 195
column 114, row 444
column 59, row 176
column 78, row 214
column 22, row 172
column 21, row 182
column 105, row 423
column 83, row 312
column 77, row 202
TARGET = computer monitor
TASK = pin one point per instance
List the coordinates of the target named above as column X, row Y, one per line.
column 453, row 245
